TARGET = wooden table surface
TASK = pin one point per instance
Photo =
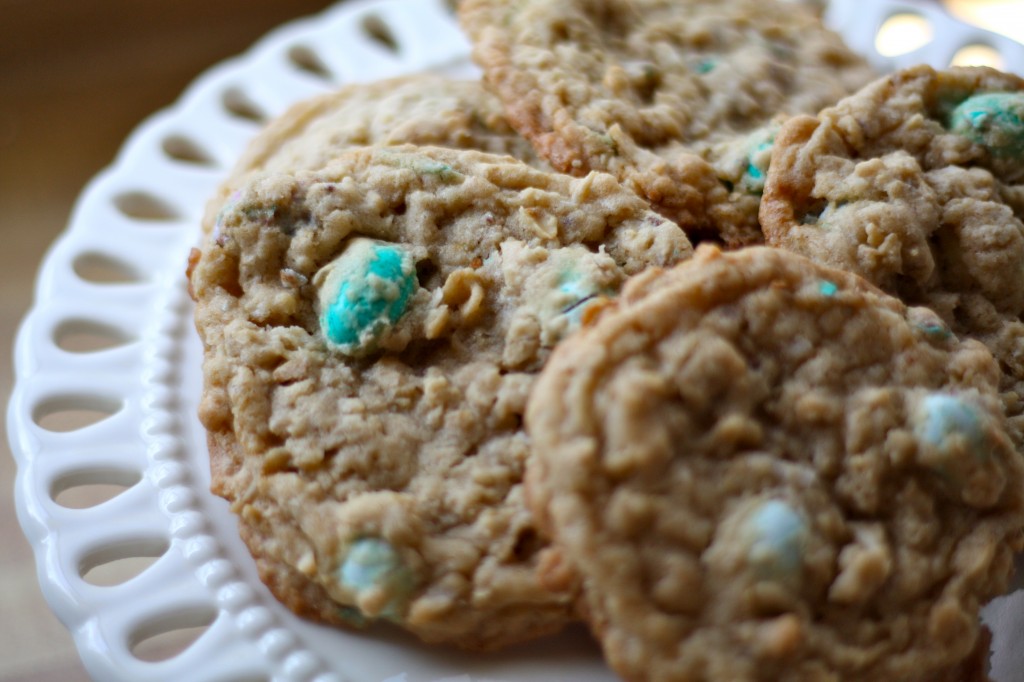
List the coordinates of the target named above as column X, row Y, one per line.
column 75, row 78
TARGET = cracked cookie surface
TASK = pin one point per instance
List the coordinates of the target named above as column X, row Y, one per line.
column 423, row 109
column 766, row 469
column 672, row 97
column 917, row 184
column 371, row 332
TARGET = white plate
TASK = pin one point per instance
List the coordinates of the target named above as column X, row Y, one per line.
column 139, row 218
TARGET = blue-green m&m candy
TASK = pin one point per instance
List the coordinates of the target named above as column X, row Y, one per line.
column 363, row 293
column 994, row 120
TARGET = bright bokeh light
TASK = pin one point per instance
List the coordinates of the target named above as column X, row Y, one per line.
column 977, row 55
column 903, row 33
column 908, row 31
column 1001, row 16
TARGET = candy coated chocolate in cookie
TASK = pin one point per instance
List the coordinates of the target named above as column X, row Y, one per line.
column 762, row 468
column 667, row 95
column 364, row 292
column 917, row 184
column 993, row 120
column 371, row 333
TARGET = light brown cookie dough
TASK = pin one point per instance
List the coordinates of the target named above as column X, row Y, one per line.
column 371, row 333
column 652, row 90
column 766, row 469
column 422, row 109
column 917, row 184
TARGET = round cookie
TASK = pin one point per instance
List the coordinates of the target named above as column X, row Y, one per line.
column 673, row 97
column 766, row 469
column 917, row 184
column 371, row 331
column 424, row 109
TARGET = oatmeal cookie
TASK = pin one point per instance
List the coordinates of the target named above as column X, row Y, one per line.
column 371, row 332
column 423, row 109
column 917, row 184
column 766, row 469
column 676, row 98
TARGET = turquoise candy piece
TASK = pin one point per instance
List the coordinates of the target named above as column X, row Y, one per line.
column 363, row 293
column 759, row 156
column 578, row 293
column 929, row 326
column 575, row 293
column 935, row 331
column 827, row 288
column 706, row 65
column 956, row 441
column 943, row 417
column 994, row 120
column 776, row 534
column 372, row 563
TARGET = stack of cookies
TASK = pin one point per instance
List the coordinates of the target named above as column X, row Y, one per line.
column 682, row 323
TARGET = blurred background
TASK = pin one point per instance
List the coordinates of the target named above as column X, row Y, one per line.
column 75, row 78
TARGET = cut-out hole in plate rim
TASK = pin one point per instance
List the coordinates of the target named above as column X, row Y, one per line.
column 306, row 59
column 185, row 150
column 378, row 30
column 120, row 562
column 88, row 336
column 169, row 635
column 100, row 268
column 902, row 33
column 978, row 55
column 72, row 412
column 146, row 207
column 91, row 487
column 239, row 105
